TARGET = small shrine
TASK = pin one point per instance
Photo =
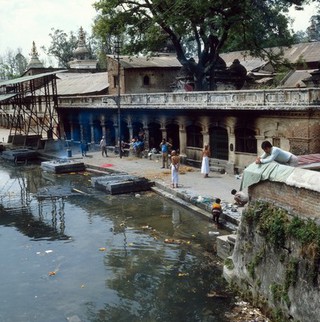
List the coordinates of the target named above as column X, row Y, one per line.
column 81, row 55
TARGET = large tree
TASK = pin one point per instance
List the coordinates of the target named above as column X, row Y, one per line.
column 199, row 30
column 12, row 64
column 62, row 46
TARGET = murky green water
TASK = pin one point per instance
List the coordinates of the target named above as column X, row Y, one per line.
column 93, row 257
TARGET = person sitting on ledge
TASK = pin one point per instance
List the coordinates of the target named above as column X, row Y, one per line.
column 272, row 153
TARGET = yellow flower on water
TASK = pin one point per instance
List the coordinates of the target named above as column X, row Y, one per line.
column 102, row 249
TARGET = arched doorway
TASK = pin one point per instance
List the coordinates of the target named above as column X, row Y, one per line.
column 155, row 135
column 219, row 143
column 173, row 136
column 137, row 127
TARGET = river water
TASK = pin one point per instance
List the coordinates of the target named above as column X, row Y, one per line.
column 71, row 253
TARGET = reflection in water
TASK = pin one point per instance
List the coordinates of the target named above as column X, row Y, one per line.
column 176, row 218
column 107, row 252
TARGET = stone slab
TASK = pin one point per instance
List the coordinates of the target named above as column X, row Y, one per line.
column 120, row 184
column 63, row 166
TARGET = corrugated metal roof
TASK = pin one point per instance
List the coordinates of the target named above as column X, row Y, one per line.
column 4, row 97
column 27, row 78
column 296, row 79
column 308, row 52
column 249, row 62
column 149, row 62
column 81, row 83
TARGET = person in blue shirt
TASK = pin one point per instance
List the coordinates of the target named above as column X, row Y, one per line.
column 272, row 153
column 164, row 147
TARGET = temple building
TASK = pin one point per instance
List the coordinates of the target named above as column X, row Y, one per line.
column 233, row 122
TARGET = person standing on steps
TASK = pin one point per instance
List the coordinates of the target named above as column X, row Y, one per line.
column 205, row 168
column 103, row 146
column 164, row 148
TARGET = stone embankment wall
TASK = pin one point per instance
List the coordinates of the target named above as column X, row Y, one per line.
column 276, row 258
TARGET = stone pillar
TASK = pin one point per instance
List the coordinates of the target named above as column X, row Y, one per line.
column 92, row 132
column 146, row 138
column 103, row 125
column 260, row 139
column 130, row 133
column 116, row 132
column 71, row 131
column 183, row 139
column 232, row 148
column 164, row 132
column 81, row 132
column 205, row 137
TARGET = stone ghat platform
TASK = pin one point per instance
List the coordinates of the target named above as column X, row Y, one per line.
column 63, row 166
column 19, row 155
column 121, row 183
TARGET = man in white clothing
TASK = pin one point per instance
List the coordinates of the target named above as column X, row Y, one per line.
column 272, row 153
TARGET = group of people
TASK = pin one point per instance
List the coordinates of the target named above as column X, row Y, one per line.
column 174, row 161
column 270, row 154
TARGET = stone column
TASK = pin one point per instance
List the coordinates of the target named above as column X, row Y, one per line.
column 260, row 139
column 232, row 148
column 103, row 125
column 92, row 132
column 205, row 137
column 182, row 139
column 116, row 132
column 81, row 132
column 164, row 132
column 130, row 132
column 71, row 131
column 146, row 138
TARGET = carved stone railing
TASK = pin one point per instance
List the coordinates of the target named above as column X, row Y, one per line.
column 275, row 99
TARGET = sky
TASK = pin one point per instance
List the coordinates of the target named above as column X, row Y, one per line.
column 25, row 21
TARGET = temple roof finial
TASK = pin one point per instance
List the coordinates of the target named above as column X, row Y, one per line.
column 34, row 61
column 81, row 52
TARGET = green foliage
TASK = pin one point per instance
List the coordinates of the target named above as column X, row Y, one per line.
column 255, row 262
column 279, row 316
column 291, row 273
column 307, row 232
column 62, row 46
column 276, row 291
column 273, row 223
column 229, row 263
column 12, row 64
column 201, row 29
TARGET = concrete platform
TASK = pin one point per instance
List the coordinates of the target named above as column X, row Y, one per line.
column 122, row 183
column 19, row 155
column 63, row 166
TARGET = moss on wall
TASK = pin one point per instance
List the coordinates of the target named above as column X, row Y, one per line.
column 277, row 257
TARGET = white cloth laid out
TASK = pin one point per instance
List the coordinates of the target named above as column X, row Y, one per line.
column 272, row 171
